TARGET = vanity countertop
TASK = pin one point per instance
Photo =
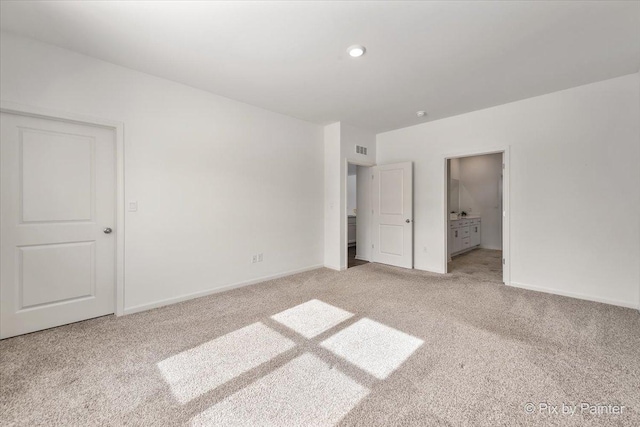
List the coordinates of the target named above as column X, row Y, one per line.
column 467, row 217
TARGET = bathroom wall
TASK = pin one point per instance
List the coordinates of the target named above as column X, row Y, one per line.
column 352, row 203
column 481, row 194
column 453, row 175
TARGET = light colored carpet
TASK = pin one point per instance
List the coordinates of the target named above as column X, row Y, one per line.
column 373, row 345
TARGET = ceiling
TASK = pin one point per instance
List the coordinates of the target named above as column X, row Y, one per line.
column 446, row 58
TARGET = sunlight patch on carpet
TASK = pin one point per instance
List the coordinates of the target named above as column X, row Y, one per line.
column 312, row 318
column 207, row 366
column 304, row 392
column 373, row 347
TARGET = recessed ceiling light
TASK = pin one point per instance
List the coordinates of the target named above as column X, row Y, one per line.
column 421, row 113
column 356, row 50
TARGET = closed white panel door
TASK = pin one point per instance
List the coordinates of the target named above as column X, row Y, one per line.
column 58, row 197
column 392, row 232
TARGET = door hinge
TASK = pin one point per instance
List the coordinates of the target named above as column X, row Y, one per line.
column 372, row 246
column 503, row 166
column 504, row 261
column 371, row 176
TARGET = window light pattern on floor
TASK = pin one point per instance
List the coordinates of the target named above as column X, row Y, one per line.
column 312, row 318
column 201, row 369
column 373, row 347
column 304, row 392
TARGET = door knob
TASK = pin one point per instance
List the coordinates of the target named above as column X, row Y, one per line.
column 107, row 230
column 407, row 221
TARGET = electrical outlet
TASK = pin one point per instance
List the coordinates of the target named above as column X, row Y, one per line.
column 260, row 257
column 254, row 259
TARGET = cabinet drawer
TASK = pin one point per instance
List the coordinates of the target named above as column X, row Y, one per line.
column 466, row 242
column 464, row 232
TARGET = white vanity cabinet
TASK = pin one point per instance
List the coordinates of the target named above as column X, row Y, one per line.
column 464, row 234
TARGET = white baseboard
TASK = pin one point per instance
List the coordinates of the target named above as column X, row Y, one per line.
column 574, row 295
column 169, row 301
column 428, row 270
column 362, row 258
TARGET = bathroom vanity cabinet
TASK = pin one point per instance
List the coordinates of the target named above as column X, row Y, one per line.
column 464, row 234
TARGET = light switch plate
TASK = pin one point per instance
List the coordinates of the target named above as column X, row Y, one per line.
column 133, row 206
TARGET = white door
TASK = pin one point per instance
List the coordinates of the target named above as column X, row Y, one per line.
column 58, row 197
column 392, row 196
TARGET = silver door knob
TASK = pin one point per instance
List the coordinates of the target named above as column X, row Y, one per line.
column 407, row 221
column 107, row 230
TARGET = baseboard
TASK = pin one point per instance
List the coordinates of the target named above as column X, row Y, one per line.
column 428, row 270
column 332, row 267
column 169, row 301
column 490, row 249
column 574, row 295
column 362, row 258
column 464, row 251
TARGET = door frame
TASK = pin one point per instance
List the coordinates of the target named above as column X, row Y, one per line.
column 506, row 206
column 118, row 128
column 344, row 232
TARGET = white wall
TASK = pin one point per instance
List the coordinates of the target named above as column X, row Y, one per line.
column 352, row 194
column 334, row 226
column 340, row 141
column 216, row 180
column 480, row 194
column 573, row 154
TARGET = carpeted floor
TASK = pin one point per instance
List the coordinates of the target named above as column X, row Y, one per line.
column 373, row 345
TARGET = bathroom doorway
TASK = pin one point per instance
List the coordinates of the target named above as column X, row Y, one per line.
column 358, row 199
column 476, row 216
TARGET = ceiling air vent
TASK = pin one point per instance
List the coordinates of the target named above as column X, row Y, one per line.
column 361, row 150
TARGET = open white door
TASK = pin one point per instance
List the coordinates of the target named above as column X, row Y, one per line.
column 392, row 197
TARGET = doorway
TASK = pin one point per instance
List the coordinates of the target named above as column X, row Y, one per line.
column 476, row 216
column 57, row 250
column 357, row 223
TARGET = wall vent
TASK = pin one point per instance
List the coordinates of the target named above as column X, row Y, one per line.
column 361, row 150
